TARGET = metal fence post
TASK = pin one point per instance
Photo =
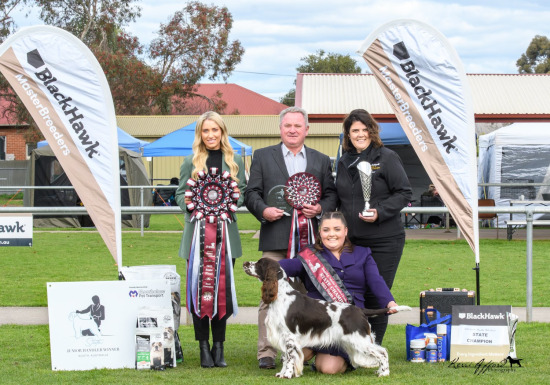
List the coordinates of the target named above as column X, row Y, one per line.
column 529, row 266
column 141, row 204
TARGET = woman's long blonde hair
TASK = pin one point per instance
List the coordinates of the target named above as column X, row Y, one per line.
column 201, row 153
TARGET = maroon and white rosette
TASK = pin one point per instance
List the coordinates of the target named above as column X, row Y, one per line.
column 301, row 188
column 212, row 202
column 212, row 195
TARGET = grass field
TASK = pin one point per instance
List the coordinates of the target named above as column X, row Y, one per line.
column 25, row 359
column 11, row 199
column 77, row 255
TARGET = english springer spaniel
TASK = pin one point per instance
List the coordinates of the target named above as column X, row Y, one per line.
column 295, row 321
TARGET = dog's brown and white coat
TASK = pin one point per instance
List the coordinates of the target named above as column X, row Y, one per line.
column 295, row 321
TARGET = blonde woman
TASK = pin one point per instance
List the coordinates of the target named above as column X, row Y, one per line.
column 211, row 148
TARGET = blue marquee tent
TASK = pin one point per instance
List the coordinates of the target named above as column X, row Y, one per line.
column 392, row 134
column 180, row 142
column 125, row 140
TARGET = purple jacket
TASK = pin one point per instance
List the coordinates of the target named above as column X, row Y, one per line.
column 357, row 270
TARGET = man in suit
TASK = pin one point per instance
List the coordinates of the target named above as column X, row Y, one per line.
column 273, row 166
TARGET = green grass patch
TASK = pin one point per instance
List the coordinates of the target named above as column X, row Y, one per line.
column 82, row 256
column 11, row 199
column 25, row 359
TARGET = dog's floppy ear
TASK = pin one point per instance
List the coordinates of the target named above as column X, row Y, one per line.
column 270, row 286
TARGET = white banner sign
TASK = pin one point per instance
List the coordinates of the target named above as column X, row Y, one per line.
column 16, row 230
column 92, row 324
column 423, row 80
column 63, row 87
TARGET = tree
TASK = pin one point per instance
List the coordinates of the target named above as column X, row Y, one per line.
column 7, row 25
column 13, row 109
column 194, row 44
column 323, row 63
column 99, row 24
column 537, row 57
column 92, row 21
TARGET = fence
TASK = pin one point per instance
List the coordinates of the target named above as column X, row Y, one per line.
column 12, row 173
column 529, row 212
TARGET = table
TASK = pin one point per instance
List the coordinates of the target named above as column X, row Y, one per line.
column 512, row 225
column 527, row 203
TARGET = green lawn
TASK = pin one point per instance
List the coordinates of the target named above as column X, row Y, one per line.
column 11, row 199
column 82, row 256
column 25, row 359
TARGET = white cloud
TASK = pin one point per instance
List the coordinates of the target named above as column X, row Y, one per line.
column 489, row 36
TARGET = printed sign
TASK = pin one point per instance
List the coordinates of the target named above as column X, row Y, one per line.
column 64, row 89
column 16, row 230
column 92, row 324
column 424, row 81
column 480, row 332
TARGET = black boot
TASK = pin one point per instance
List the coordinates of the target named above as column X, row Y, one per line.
column 217, row 355
column 206, row 357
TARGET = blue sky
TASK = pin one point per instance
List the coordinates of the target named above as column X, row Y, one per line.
column 489, row 36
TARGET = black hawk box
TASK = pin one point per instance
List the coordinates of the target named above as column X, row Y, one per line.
column 443, row 300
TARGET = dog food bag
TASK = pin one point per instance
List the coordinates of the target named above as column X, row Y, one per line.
column 169, row 273
column 158, row 323
column 143, row 352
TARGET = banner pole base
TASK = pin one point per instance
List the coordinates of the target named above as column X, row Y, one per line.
column 477, row 283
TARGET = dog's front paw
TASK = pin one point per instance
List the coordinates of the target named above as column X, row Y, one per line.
column 281, row 375
column 383, row 372
column 289, row 373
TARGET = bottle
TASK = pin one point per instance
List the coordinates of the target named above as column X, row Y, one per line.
column 431, row 348
column 442, row 342
column 418, row 350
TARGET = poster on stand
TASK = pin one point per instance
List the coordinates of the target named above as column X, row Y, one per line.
column 480, row 333
column 92, row 324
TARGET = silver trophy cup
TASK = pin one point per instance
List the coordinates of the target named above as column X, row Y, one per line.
column 365, row 174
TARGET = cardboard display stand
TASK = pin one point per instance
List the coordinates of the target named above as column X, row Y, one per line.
column 92, row 324
column 480, row 332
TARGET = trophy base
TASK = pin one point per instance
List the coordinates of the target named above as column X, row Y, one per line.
column 367, row 213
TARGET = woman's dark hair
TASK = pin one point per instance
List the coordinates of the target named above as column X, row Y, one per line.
column 348, row 246
column 361, row 115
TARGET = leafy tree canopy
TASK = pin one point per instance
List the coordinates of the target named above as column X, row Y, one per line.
column 193, row 45
column 328, row 63
column 537, row 57
column 323, row 63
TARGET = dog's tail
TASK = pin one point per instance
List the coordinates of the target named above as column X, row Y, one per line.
column 376, row 312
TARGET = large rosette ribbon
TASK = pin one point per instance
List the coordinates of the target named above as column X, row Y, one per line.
column 212, row 202
column 301, row 188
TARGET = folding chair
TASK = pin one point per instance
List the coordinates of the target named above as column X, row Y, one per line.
column 487, row 216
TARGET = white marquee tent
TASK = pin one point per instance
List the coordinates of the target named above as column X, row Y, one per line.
column 518, row 153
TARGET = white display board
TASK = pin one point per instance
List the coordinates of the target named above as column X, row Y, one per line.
column 16, row 230
column 480, row 332
column 92, row 324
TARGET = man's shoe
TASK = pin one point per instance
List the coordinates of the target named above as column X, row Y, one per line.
column 267, row 363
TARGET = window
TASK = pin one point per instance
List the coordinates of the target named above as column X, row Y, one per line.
column 2, row 148
column 30, row 147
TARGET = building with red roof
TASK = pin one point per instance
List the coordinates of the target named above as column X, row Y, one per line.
column 13, row 145
column 236, row 100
